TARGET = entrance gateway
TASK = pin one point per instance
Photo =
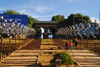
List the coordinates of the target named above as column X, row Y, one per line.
column 46, row 25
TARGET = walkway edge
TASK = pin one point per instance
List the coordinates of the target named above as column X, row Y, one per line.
column 24, row 45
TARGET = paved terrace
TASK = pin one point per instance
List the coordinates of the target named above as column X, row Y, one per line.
column 27, row 56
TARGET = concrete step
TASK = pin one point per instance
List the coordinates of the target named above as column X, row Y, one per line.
column 20, row 60
column 23, row 54
column 98, row 58
column 21, row 57
column 17, row 66
column 89, row 65
column 27, row 51
column 33, row 64
column 91, row 54
column 95, row 63
column 83, row 55
column 90, row 60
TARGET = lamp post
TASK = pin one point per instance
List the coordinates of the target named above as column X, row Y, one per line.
column 67, row 34
column 10, row 36
column 15, row 34
column 1, row 34
column 87, row 28
column 87, row 35
column 82, row 27
column 22, row 36
column 22, row 26
column 95, row 37
column 70, row 32
column 19, row 33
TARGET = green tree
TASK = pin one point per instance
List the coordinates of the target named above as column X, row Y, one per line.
column 64, row 57
column 77, row 18
column 39, row 32
column 62, row 18
column 31, row 21
column 11, row 12
column 56, row 18
column 87, row 19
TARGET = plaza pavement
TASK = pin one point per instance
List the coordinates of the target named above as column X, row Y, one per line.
column 27, row 56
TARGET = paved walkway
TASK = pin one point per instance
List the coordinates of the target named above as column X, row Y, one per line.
column 21, row 58
column 85, row 58
column 27, row 56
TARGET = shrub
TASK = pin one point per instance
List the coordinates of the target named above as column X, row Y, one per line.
column 65, row 58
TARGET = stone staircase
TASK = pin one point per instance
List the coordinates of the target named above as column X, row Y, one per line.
column 85, row 58
column 21, row 58
column 27, row 56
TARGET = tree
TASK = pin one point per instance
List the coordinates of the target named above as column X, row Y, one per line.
column 39, row 32
column 87, row 19
column 11, row 12
column 77, row 18
column 56, row 18
column 62, row 18
column 31, row 21
column 71, row 20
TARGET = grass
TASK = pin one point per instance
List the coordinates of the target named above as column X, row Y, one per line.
column 47, row 41
column 40, row 57
column 49, row 47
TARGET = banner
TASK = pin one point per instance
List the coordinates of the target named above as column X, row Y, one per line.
column 23, row 19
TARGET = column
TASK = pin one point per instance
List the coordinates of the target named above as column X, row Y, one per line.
column 45, row 36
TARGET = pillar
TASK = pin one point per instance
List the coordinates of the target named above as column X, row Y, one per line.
column 45, row 36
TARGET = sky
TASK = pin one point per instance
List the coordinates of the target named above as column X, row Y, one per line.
column 43, row 10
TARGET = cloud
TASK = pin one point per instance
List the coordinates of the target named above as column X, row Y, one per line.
column 93, row 19
column 41, row 16
column 2, row 8
column 40, row 9
column 24, row 11
column 37, row 16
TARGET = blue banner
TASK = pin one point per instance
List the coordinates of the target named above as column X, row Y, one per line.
column 23, row 19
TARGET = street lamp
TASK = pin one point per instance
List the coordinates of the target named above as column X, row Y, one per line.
column 81, row 28
column 22, row 27
column 1, row 34
column 87, row 28
column 67, row 34
column 15, row 34
column 95, row 37
column 70, row 32
column 10, row 36
column 19, row 33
